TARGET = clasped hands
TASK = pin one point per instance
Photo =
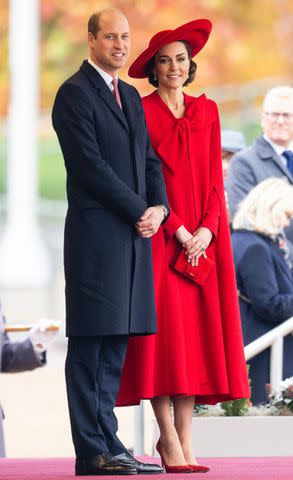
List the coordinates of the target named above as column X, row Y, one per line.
column 150, row 221
column 195, row 244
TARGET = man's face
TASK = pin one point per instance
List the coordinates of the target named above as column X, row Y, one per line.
column 277, row 120
column 110, row 49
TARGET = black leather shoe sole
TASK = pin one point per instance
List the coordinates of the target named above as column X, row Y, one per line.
column 143, row 472
column 108, row 471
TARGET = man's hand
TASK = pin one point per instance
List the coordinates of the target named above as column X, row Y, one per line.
column 150, row 222
column 196, row 246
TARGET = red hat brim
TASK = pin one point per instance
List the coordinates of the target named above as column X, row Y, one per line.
column 196, row 33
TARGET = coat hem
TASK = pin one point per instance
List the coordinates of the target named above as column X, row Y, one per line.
column 107, row 334
column 206, row 399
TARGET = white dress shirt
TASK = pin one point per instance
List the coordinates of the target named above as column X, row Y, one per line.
column 279, row 149
column 108, row 79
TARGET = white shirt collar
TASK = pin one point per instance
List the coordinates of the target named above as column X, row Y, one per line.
column 279, row 149
column 108, row 79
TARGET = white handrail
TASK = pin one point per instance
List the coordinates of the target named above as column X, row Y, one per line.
column 274, row 339
column 138, row 448
column 268, row 339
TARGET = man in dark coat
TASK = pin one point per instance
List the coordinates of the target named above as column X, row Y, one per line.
column 114, row 184
column 270, row 155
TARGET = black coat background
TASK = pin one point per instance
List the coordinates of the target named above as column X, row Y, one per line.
column 265, row 278
column 112, row 176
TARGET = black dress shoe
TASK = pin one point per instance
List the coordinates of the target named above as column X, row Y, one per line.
column 141, row 467
column 103, row 464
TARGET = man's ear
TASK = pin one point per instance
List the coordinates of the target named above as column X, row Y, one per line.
column 91, row 39
column 262, row 117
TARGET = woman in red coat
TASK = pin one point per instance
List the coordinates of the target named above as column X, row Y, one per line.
column 197, row 354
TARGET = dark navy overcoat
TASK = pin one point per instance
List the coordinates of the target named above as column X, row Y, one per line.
column 264, row 277
column 112, row 176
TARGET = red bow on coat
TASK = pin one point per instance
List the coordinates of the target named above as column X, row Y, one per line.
column 177, row 138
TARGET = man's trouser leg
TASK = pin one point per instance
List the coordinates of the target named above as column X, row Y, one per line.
column 90, row 361
column 113, row 351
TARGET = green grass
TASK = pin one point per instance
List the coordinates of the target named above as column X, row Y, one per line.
column 51, row 169
column 251, row 131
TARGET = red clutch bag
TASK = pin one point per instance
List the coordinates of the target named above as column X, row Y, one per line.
column 197, row 274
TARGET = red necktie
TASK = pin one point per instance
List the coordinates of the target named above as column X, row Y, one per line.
column 116, row 92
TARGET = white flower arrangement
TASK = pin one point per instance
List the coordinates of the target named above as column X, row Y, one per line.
column 282, row 399
column 280, row 402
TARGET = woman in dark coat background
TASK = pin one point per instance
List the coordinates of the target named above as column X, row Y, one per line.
column 264, row 279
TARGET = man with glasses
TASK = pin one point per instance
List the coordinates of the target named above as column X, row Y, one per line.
column 270, row 155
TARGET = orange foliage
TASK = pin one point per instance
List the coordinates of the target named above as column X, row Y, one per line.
column 250, row 39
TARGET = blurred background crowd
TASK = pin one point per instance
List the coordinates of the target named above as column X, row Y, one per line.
column 249, row 53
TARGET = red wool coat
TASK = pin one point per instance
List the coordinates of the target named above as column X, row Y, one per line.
column 198, row 349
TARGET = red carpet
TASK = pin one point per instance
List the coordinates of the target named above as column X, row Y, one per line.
column 265, row 468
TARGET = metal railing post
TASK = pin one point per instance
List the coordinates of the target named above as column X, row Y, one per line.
column 276, row 367
column 274, row 339
column 139, row 429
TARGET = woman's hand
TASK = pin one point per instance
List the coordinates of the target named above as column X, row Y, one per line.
column 196, row 246
column 183, row 235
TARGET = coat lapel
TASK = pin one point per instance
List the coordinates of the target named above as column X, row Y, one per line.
column 277, row 159
column 128, row 107
column 104, row 92
column 109, row 99
column 266, row 152
column 131, row 113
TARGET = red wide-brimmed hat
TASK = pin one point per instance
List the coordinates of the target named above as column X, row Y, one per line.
column 196, row 33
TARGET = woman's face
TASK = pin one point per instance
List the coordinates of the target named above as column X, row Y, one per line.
column 172, row 65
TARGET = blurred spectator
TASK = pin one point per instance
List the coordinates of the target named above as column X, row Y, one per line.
column 270, row 155
column 264, row 279
column 232, row 141
column 21, row 356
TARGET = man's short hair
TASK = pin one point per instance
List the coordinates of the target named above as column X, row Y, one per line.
column 94, row 23
column 280, row 91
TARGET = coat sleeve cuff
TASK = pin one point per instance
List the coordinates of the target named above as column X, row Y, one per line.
column 211, row 222
column 172, row 224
